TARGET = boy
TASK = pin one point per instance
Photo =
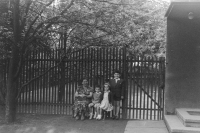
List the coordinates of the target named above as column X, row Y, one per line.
column 96, row 101
column 117, row 88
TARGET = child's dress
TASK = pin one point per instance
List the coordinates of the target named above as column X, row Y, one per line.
column 105, row 104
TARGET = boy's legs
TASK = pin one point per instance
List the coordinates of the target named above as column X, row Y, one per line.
column 116, row 109
column 99, row 110
column 95, row 111
column 91, row 105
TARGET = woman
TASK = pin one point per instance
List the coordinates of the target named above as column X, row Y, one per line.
column 83, row 97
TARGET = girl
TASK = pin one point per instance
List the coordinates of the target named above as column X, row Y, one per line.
column 106, row 105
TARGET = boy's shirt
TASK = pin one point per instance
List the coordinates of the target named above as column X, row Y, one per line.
column 97, row 97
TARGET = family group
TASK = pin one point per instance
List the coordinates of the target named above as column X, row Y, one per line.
column 98, row 102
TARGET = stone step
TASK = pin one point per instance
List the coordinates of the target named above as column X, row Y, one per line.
column 189, row 117
column 174, row 125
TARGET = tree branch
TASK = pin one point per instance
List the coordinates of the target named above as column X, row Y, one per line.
column 28, row 2
column 33, row 22
column 51, row 20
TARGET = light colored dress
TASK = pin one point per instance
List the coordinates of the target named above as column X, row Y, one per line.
column 105, row 105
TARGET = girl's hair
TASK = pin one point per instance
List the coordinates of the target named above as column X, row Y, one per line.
column 107, row 83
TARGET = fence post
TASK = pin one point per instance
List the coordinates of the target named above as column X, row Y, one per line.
column 162, row 87
column 125, row 77
column 61, row 91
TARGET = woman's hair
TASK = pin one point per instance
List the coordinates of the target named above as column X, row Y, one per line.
column 84, row 79
column 81, row 81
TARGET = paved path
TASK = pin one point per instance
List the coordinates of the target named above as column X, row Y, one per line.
column 141, row 126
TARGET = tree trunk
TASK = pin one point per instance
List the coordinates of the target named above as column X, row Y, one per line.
column 12, row 84
column 2, row 85
column 11, row 101
column 12, row 81
column 61, row 90
column 12, row 87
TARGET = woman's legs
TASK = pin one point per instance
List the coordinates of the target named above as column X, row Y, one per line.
column 82, row 115
column 76, row 110
column 84, row 110
column 77, row 114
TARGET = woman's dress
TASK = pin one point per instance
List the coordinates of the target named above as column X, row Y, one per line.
column 81, row 103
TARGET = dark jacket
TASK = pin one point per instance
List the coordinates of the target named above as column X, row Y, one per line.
column 117, row 88
column 110, row 97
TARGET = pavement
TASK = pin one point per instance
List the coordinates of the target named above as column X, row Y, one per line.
column 145, row 126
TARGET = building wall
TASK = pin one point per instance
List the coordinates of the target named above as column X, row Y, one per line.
column 183, row 64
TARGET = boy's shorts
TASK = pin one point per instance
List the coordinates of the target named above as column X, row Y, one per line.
column 117, row 96
column 94, row 105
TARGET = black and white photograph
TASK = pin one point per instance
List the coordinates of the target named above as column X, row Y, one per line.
column 99, row 66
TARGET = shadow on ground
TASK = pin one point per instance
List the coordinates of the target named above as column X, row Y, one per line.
column 33, row 123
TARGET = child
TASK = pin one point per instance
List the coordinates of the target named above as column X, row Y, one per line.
column 106, row 105
column 117, row 88
column 96, row 100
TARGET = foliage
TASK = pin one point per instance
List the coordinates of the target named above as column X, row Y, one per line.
column 138, row 24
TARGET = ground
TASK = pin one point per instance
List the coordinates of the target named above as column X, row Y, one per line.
column 36, row 123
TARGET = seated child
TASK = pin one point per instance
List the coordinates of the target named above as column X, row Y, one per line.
column 96, row 100
column 106, row 103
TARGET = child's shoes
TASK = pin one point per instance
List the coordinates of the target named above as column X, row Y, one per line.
column 91, row 116
column 98, row 117
column 95, row 116
column 77, row 117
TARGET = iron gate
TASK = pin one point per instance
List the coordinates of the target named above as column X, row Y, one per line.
column 55, row 80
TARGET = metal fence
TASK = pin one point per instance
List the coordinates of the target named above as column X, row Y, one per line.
column 49, row 79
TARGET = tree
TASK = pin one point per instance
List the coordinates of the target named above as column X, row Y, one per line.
column 25, row 32
column 39, row 24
